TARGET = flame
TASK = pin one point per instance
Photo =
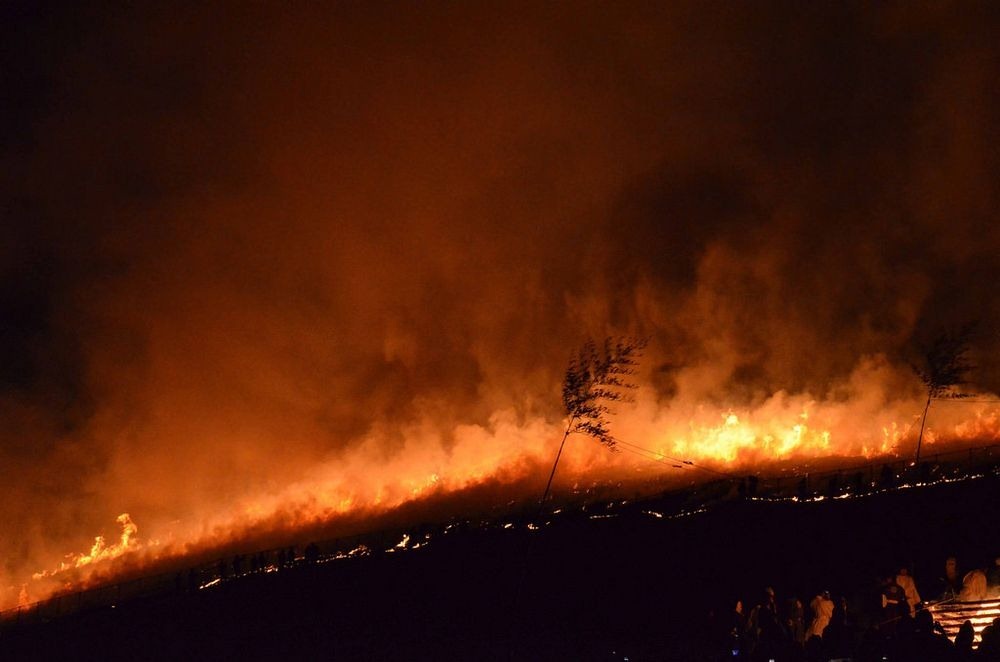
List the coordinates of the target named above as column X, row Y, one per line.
column 727, row 441
column 507, row 447
column 100, row 550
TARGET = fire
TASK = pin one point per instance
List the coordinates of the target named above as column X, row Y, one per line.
column 727, row 441
column 100, row 551
column 674, row 441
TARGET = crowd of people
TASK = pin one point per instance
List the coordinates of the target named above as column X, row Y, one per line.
column 895, row 623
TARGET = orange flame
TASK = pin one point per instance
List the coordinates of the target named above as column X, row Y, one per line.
column 507, row 447
column 100, row 550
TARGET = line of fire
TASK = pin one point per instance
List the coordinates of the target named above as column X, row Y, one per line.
column 601, row 476
column 500, row 330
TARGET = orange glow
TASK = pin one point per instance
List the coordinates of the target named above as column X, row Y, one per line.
column 507, row 449
column 731, row 438
column 328, row 268
column 100, row 552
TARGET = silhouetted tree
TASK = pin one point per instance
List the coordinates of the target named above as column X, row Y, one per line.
column 594, row 378
column 945, row 367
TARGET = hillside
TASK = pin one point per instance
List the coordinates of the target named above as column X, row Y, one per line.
column 612, row 580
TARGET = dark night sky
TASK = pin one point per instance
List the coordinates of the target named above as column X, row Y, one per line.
column 237, row 233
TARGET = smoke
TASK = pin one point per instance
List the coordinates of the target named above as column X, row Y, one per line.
column 261, row 256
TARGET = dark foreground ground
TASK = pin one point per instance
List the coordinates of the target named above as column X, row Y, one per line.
column 588, row 587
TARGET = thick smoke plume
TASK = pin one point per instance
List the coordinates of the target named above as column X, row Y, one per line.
column 266, row 261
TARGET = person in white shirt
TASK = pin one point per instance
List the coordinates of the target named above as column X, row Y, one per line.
column 822, row 608
column 909, row 587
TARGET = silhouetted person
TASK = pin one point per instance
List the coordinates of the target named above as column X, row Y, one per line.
column 724, row 629
column 222, row 568
column 752, row 486
column 833, row 487
column 764, row 631
column 963, row 641
column 887, row 479
column 802, row 489
column 737, row 626
column 312, row 553
column 237, row 565
column 949, row 585
column 989, row 645
column 281, row 558
column 290, row 556
column 837, row 637
column 795, row 621
column 894, row 606
column 919, row 639
column 859, row 482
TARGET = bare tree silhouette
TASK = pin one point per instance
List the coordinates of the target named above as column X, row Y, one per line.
column 594, row 378
column 945, row 367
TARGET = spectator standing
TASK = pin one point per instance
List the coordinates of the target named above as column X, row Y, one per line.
column 905, row 581
column 973, row 586
column 894, row 605
column 822, row 608
column 963, row 641
column 795, row 620
column 764, row 632
column 950, row 585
